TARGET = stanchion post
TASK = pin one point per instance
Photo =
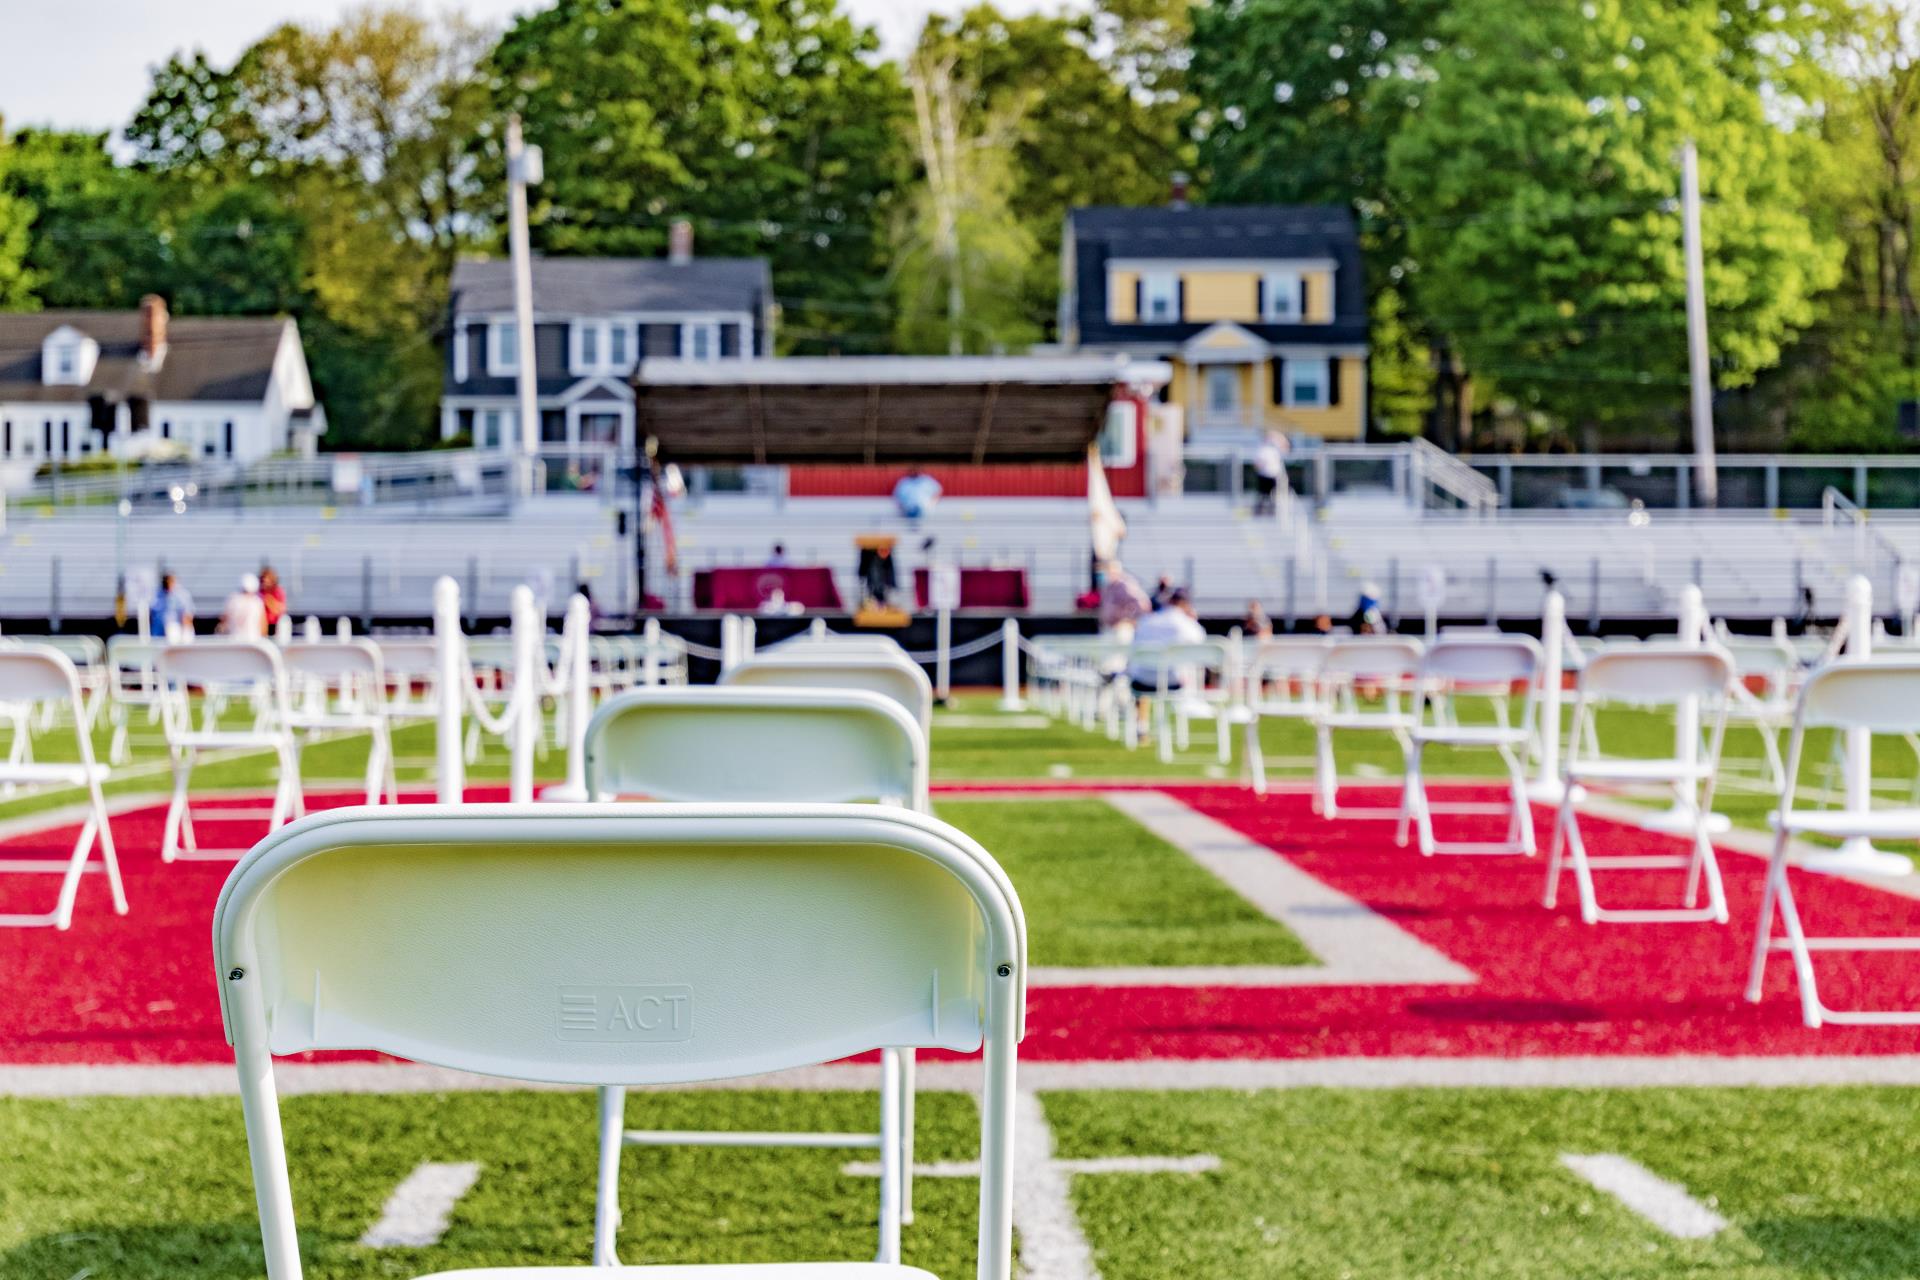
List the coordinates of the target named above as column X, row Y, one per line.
column 525, row 729
column 1010, row 699
column 1691, row 619
column 650, row 659
column 1857, row 855
column 450, row 662
column 1547, row 787
column 579, row 710
column 943, row 656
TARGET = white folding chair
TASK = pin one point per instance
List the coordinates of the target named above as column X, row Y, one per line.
column 778, row 745
column 617, row 946
column 1382, row 666
column 1767, row 710
column 1192, row 682
column 1472, row 669
column 89, row 657
column 31, row 675
column 896, row 676
column 252, row 666
column 1662, row 674
column 131, row 687
column 1879, row 696
column 1282, row 684
column 351, row 671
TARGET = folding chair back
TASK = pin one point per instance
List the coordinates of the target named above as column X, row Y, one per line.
column 37, row 673
column 732, row 743
column 1290, row 660
column 898, row 678
column 1656, row 673
column 619, row 945
column 220, row 664
column 1371, row 658
column 1481, row 662
column 333, row 661
column 1878, row 696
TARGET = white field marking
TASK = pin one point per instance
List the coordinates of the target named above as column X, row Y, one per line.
column 1059, row 771
column 1355, row 944
column 1164, row 1075
column 1667, row 1205
column 1088, row 1164
column 1052, row 1245
column 417, row 1213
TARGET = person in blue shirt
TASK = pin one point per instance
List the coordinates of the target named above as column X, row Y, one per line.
column 915, row 493
column 172, row 607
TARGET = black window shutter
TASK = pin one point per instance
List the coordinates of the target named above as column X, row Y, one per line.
column 1139, row 299
column 1279, row 380
column 1303, row 297
column 1180, row 299
column 1333, row 380
column 1260, row 298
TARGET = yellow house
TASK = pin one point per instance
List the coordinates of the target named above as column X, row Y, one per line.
column 1261, row 310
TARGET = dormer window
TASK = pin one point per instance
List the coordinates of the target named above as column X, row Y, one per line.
column 1160, row 297
column 67, row 358
column 602, row 346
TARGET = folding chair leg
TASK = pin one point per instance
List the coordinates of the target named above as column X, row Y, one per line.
column 1409, row 783
column 1763, row 935
column 908, row 1062
column 1326, row 783
column 606, row 1195
column 1556, row 846
column 1256, row 758
column 70, row 880
column 1223, row 737
column 108, row 857
column 890, row 1146
column 1802, row 955
column 176, row 806
column 1163, row 720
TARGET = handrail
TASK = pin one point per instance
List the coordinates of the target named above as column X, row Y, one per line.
column 1435, row 466
column 1836, row 506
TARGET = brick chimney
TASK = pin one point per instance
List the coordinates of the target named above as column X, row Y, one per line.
column 1179, row 192
column 153, row 330
column 680, row 241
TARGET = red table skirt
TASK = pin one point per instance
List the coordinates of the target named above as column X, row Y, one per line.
column 745, row 590
column 981, row 588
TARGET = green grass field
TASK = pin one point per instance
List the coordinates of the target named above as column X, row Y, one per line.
column 1312, row 1183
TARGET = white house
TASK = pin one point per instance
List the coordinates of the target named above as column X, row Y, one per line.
column 594, row 319
column 78, row 383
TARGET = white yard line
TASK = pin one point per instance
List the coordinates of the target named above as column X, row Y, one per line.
column 1667, row 1205
column 417, row 1213
column 1052, row 1245
column 1153, row 1075
column 1090, row 1164
column 1355, row 944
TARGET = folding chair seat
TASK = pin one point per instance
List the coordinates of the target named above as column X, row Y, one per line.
column 1875, row 695
column 1384, row 666
column 32, row 675
column 253, row 666
column 352, row 685
column 1281, row 684
column 1474, row 669
column 618, row 946
column 1664, row 674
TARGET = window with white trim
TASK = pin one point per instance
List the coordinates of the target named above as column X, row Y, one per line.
column 1306, row 383
column 619, row 348
column 503, row 347
column 1280, row 297
column 1223, row 388
column 700, row 340
column 1159, row 297
column 1119, row 438
column 587, row 337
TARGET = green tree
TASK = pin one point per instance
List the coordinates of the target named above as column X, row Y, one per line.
column 1079, row 107
column 16, row 215
column 1543, row 155
column 770, row 124
column 97, row 237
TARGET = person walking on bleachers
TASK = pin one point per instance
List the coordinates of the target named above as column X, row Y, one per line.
column 777, row 558
column 1269, row 469
column 916, row 493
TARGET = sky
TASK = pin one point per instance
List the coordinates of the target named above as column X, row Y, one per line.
column 83, row 64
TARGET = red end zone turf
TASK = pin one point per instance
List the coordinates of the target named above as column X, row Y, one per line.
column 140, row 988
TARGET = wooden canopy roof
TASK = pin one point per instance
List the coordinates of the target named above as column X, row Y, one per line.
column 880, row 409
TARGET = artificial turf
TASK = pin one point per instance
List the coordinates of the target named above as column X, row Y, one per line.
column 1814, row 1183
column 1099, row 889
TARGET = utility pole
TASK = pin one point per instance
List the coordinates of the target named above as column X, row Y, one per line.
column 523, row 171
column 1706, row 478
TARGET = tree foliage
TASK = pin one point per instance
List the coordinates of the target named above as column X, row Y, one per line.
column 1544, row 156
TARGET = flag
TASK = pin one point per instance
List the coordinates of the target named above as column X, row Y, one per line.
column 663, row 519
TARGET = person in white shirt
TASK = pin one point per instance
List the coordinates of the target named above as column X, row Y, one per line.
column 1172, row 623
column 245, row 616
column 1269, row 466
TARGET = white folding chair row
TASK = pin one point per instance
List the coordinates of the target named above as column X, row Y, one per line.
column 254, row 666
column 1365, row 685
column 1191, row 682
column 616, row 946
column 762, row 744
column 33, row 675
column 1879, row 696
column 1473, row 670
column 1663, row 674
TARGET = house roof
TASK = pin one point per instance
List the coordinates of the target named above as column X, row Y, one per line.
column 879, row 409
column 226, row 359
column 1102, row 234
column 602, row 286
